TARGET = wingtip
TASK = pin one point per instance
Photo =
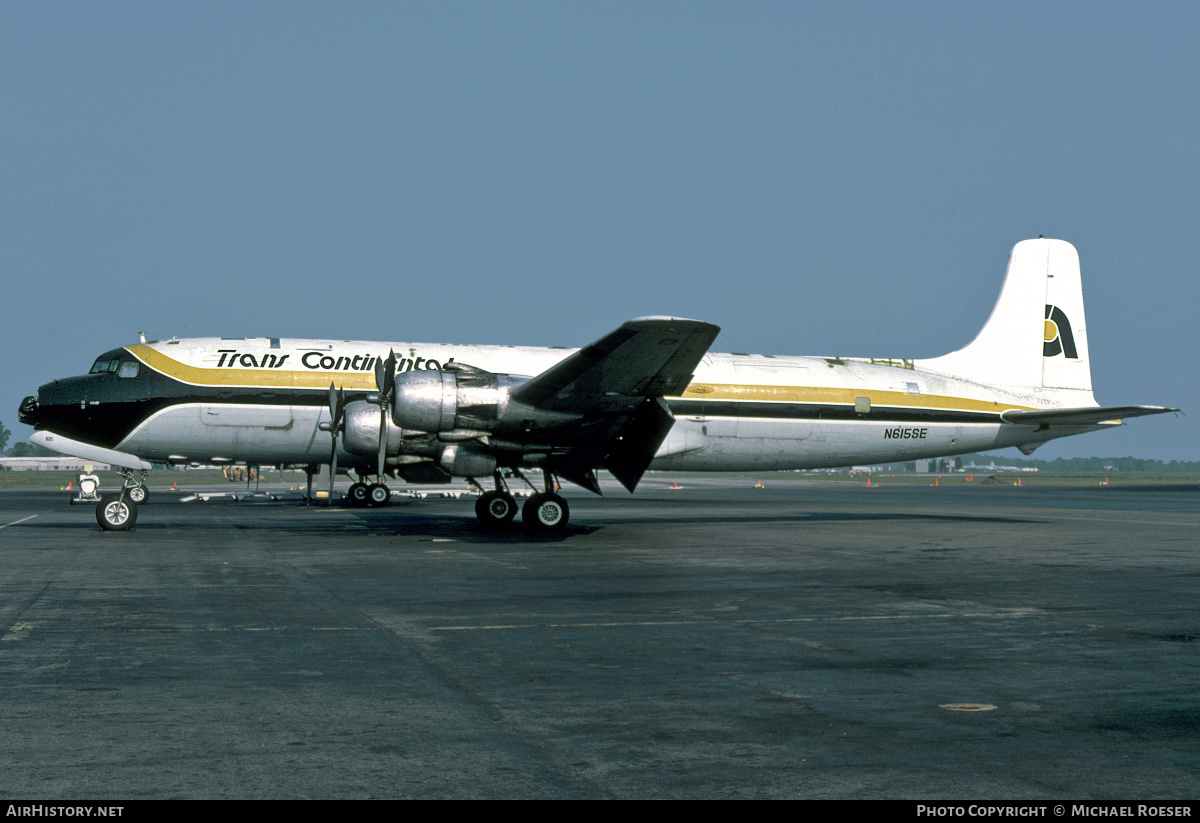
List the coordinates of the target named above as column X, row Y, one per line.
column 678, row 322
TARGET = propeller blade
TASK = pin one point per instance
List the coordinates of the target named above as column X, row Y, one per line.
column 385, row 376
column 332, row 466
column 383, row 438
column 380, row 371
column 337, row 406
column 385, row 381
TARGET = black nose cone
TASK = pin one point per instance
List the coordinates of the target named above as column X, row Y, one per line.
column 27, row 413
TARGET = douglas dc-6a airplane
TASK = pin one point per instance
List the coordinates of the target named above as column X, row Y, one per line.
column 647, row 395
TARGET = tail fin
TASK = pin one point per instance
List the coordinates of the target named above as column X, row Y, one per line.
column 1036, row 336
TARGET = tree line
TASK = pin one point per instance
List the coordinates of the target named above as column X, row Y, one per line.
column 21, row 449
column 1087, row 464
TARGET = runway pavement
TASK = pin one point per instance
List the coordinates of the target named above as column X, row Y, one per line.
column 805, row 640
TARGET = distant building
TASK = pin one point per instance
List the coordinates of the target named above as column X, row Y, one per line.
column 941, row 465
column 50, row 464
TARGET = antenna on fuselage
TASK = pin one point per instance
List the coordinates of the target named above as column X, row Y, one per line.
column 142, row 336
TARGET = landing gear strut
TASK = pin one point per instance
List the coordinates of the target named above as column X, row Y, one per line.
column 118, row 512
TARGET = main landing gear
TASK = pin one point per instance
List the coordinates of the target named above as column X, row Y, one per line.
column 118, row 512
column 369, row 494
column 543, row 512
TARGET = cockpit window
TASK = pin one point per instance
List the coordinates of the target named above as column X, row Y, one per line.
column 102, row 366
column 128, row 369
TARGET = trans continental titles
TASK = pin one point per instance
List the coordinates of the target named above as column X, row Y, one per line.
column 317, row 361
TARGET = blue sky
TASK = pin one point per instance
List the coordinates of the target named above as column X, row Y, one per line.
column 816, row 178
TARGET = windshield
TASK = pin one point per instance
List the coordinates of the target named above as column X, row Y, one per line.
column 101, row 366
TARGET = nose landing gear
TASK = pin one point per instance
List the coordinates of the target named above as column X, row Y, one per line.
column 118, row 512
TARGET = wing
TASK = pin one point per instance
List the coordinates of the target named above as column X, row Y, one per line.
column 616, row 384
column 1086, row 416
column 644, row 358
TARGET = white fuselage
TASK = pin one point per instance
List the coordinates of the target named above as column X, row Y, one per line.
column 740, row 412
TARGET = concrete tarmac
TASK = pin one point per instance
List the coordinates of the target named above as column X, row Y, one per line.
column 806, row 640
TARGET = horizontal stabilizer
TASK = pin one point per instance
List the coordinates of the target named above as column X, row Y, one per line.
column 1087, row 416
column 86, row 451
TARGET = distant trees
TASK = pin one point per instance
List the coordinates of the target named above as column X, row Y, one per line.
column 22, row 449
column 1088, row 464
column 30, row 450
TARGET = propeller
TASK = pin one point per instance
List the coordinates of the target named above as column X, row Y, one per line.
column 385, row 381
column 337, row 409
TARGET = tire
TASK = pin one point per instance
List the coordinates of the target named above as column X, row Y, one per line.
column 546, row 513
column 495, row 509
column 379, row 495
column 114, row 514
column 357, row 494
column 138, row 494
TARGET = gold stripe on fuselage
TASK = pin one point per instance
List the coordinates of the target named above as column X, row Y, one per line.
column 365, row 381
column 839, row 396
column 250, row 378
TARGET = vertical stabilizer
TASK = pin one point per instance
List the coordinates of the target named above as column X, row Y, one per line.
column 1036, row 335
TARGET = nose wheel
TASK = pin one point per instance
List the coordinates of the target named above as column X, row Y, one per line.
column 116, row 513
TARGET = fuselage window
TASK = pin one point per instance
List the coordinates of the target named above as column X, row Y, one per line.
column 128, row 369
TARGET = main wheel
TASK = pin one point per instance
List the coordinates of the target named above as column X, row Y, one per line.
column 138, row 494
column 546, row 512
column 115, row 514
column 357, row 494
column 495, row 509
column 379, row 494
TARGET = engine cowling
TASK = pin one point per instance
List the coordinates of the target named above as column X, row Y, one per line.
column 447, row 401
column 463, row 403
column 360, row 434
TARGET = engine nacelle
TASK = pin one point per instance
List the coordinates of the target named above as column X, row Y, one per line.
column 447, row 401
column 361, row 433
column 464, row 460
